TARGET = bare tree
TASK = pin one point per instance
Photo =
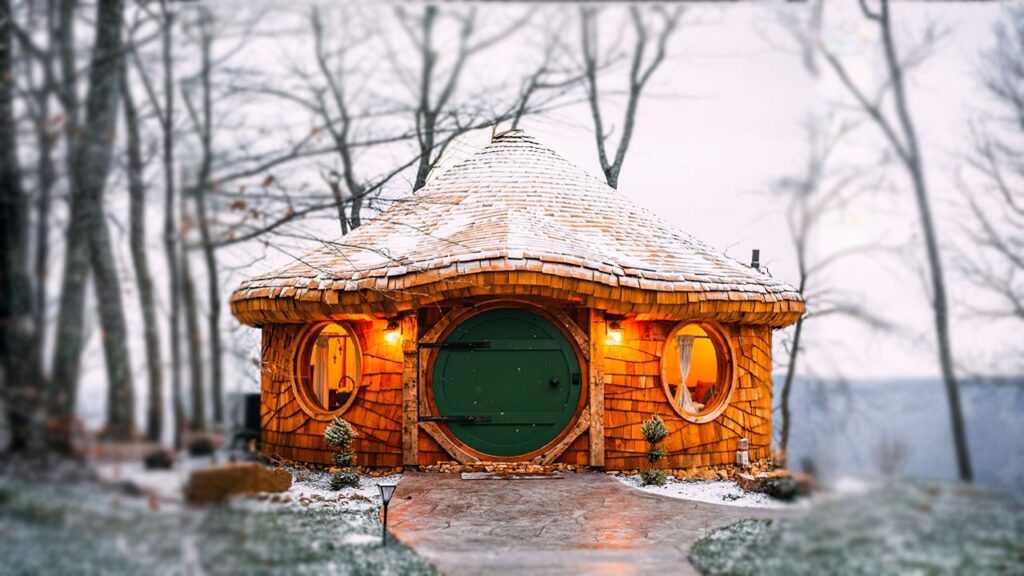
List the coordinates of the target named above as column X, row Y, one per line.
column 88, row 246
column 641, row 69
column 140, row 259
column 438, row 118
column 340, row 130
column 21, row 379
column 193, row 334
column 900, row 133
column 38, row 105
column 202, row 122
column 998, row 204
column 821, row 191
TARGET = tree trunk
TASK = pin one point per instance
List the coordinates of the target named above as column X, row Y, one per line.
column 940, row 306
column 426, row 120
column 120, row 390
column 47, row 174
column 787, row 386
column 140, row 259
column 21, row 394
column 90, row 150
column 195, row 341
column 170, row 231
column 202, row 213
column 107, row 86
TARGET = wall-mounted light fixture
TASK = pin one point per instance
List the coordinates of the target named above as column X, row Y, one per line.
column 614, row 333
column 393, row 333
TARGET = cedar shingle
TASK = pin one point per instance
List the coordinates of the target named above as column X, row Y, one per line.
column 518, row 206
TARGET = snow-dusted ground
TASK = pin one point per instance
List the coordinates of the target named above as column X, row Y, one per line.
column 167, row 485
column 894, row 528
column 715, row 492
column 312, row 488
column 57, row 525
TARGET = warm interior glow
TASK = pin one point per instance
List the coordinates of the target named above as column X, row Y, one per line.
column 330, row 369
column 702, row 379
column 614, row 334
column 393, row 333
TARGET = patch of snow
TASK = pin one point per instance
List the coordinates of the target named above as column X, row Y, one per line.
column 361, row 539
column 852, row 485
column 723, row 492
column 312, row 488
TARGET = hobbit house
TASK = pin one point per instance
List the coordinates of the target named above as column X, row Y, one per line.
column 517, row 309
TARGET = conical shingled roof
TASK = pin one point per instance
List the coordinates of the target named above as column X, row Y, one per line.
column 516, row 208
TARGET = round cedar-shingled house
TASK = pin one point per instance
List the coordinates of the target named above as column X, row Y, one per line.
column 517, row 309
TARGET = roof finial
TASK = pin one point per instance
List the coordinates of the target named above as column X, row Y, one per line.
column 496, row 135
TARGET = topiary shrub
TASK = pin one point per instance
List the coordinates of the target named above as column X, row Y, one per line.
column 344, row 459
column 654, row 430
column 340, row 434
column 344, row 479
column 653, row 476
column 655, row 454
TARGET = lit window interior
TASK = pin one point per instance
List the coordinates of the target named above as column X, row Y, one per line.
column 331, row 368
column 692, row 351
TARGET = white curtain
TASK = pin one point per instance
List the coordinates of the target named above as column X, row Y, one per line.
column 683, row 399
column 320, row 372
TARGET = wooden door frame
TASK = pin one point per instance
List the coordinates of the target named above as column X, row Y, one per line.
column 581, row 420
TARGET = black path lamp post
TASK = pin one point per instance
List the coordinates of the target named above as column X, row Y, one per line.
column 386, row 490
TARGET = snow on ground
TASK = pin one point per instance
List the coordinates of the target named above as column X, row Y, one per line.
column 166, row 485
column 901, row 527
column 312, row 488
column 724, row 492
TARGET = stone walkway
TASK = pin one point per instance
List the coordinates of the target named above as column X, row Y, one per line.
column 580, row 524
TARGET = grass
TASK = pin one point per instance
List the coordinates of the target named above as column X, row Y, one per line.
column 50, row 529
column 899, row 529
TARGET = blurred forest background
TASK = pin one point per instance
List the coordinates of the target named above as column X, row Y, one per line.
column 154, row 154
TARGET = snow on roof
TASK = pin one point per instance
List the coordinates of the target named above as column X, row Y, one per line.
column 514, row 206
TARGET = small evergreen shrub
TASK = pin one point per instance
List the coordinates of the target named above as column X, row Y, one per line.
column 655, row 454
column 653, row 476
column 344, row 479
column 339, row 434
column 654, row 430
column 343, row 459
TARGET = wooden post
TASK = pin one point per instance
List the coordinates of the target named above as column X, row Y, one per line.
column 596, row 390
column 410, row 391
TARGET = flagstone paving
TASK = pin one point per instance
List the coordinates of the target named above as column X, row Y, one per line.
column 579, row 524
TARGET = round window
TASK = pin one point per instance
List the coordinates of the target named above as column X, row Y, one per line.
column 696, row 371
column 329, row 370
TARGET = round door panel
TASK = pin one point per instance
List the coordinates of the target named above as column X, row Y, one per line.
column 506, row 382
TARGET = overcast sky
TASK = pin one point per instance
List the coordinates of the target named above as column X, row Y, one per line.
column 722, row 120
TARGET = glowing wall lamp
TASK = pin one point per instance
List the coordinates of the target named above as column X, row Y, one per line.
column 614, row 333
column 386, row 491
column 393, row 333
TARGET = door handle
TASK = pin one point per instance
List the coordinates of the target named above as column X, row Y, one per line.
column 553, row 381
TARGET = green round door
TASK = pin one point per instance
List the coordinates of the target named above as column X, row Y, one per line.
column 506, row 382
